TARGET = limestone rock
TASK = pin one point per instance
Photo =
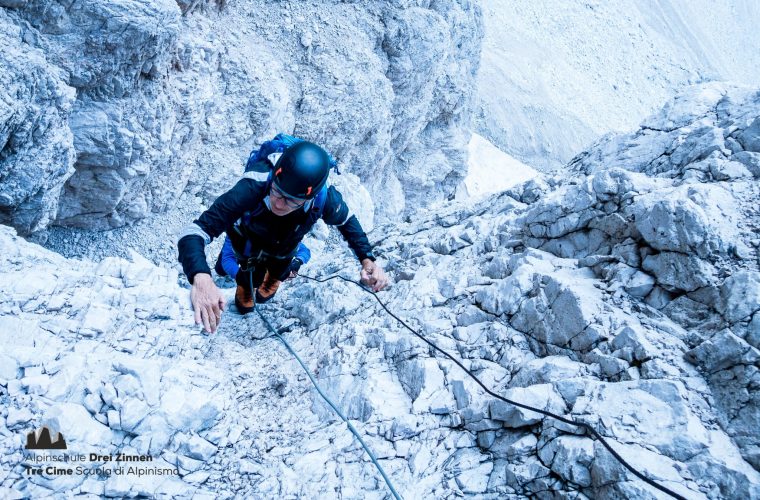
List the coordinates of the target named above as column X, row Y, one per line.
column 547, row 370
column 563, row 313
column 690, row 221
column 750, row 160
column 723, row 351
column 740, row 296
column 571, row 457
column 82, row 431
column 159, row 79
column 38, row 152
column 541, row 396
column 655, row 411
column 677, row 271
column 635, row 344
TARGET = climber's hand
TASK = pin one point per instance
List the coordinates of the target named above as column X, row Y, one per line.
column 208, row 302
column 373, row 275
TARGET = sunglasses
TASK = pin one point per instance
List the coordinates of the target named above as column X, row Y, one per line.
column 290, row 202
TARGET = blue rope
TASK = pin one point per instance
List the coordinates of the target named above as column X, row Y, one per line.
column 335, row 408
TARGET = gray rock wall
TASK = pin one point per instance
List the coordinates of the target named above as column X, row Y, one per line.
column 138, row 101
column 37, row 153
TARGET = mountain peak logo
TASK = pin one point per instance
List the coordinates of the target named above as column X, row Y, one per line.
column 41, row 439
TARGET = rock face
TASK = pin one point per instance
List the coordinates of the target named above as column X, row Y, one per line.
column 112, row 109
column 37, row 154
column 676, row 202
column 625, row 296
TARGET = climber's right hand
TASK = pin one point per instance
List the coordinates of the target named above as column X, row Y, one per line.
column 208, row 302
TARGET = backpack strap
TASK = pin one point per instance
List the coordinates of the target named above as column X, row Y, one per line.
column 318, row 205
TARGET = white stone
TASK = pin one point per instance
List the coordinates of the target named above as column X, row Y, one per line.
column 98, row 319
column 8, row 367
column 634, row 339
column 108, row 393
column 127, row 386
column 131, row 413
column 18, row 416
column 653, row 413
column 199, row 448
column 540, row 396
column 740, row 296
column 36, row 385
column 93, row 403
column 722, row 351
column 114, row 420
column 117, row 486
column 547, row 370
column 82, row 432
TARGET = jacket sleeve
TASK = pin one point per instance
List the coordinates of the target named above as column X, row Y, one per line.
column 228, row 208
column 337, row 213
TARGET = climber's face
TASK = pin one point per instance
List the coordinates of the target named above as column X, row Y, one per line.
column 282, row 204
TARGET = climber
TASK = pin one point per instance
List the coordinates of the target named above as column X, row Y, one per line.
column 227, row 263
column 265, row 216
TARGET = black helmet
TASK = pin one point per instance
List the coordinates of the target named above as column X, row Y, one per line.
column 301, row 172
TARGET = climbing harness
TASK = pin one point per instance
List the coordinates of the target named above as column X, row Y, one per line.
column 582, row 425
column 332, row 405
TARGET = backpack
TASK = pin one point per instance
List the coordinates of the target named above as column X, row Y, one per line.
column 271, row 150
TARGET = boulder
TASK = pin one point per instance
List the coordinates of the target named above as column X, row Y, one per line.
column 749, row 138
column 690, row 220
column 131, row 413
column 740, row 296
column 639, row 284
column 198, row 448
column 18, row 416
column 650, row 413
column 750, row 160
column 541, row 396
column 563, row 312
column 722, row 351
column 81, row 431
column 505, row 296
column 571, row 457
column 606, row 470
column 679, row 272
column 697, row 145
column 635, row 345
column 729, row 170
column 547, row 370
column 753, row 332
column 569, row 209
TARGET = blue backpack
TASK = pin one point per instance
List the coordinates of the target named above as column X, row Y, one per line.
column 260, row 165
column 279, row 144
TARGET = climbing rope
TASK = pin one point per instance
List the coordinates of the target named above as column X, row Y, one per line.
column 332, row 405
column 582, row 425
